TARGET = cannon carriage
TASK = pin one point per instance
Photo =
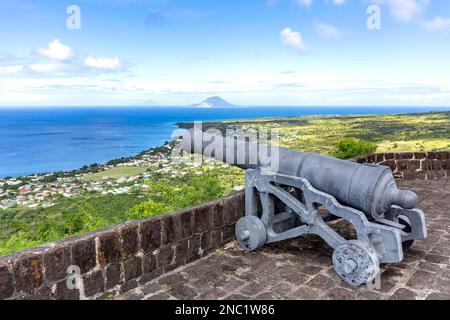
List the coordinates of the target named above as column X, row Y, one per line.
column 385, row 217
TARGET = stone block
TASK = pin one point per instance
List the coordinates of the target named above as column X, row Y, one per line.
column 56, row 262
column 414, row 165
column 182, row 251
column 129, row 241
column 109, row 248
column 63, row 292
column 165, row 256
column 437, row 165
column 217, row 214
column 150, row 233
column 402, row 165
column 28, row 273
column 6, row 284
column 84, row 255
column 202, row 219
column 406, row 155
column 420, row 155
column 112, row 273
column 186, row 224
column 170, row 229
column 149, row 263
column 132, row 268
column 93, row 283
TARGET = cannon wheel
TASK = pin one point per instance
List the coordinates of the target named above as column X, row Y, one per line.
column 356, row 262
column 408, row 243
column 250, row 233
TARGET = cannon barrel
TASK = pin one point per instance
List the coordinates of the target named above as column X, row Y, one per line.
column 369, row 188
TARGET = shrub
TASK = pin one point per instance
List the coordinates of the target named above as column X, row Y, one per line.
column 349, row 148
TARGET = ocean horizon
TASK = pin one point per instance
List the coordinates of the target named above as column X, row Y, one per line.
column 49, row 139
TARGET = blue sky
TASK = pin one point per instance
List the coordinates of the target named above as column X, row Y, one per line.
column 252, row 52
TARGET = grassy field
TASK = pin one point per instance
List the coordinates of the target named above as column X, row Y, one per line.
column 391, row 133
column 116, row 173
column 182, row 187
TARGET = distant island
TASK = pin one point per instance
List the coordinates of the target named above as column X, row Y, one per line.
column 213, row 102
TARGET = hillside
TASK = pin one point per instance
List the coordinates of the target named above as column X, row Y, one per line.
column 213, row 102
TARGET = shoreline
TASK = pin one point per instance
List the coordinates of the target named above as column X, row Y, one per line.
column 189, row 124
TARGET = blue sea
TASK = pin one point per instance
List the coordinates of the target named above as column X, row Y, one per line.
column 38, row 140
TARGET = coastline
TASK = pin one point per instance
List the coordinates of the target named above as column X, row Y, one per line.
column 221, row 125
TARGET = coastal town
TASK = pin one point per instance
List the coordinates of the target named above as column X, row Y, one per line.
column 44, row 190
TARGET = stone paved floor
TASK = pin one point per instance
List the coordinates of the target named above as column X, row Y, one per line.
column 301, row 268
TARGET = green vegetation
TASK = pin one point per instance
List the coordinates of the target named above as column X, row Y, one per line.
column 21, row 228
column 349, row 148
column 183, row 186
column 116, row 173
column 321, row 134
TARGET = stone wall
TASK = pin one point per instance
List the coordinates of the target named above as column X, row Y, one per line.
column 413, row 165
column 117, row 259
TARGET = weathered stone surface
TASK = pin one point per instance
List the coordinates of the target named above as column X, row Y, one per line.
column 84, row 254
column 112, row 274
column 413, row 165
column 205, row 240
column 165, row 256
column 56, row 263
column 186, row 224
column 217, row 215
column 42, row 293
column 127, row 286
column 403, row 294
column 6, row 285
column 132, row 268
column 402, row 165
column 129, row 241
column 150, row 233
column 63, row 292
column 170, row 229
column 181, row 251
column 202, row 218
column 28, row 273
column 93, row 283
column 149, row 263
column 194, row 248
column 109, row 248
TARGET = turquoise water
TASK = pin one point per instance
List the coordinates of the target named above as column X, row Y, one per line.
column 37, row 140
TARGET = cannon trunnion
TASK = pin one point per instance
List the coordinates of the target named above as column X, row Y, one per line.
column 288, row 200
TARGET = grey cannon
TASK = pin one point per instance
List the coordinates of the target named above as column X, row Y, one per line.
column 301, row 193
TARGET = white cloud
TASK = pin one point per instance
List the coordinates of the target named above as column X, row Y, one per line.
column 405, row 10
column 438, row 24
column 57, row 51
column 103, row 63
column 45, row 67
column 339, row 2
column 11, row 69
column 328, row 31
column 292, row 39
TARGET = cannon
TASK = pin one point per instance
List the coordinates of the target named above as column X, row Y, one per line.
column 289, row 193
